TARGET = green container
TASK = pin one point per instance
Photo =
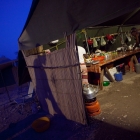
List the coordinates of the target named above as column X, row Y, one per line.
column 106, row 83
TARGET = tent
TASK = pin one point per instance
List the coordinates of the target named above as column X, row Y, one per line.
column 6, row 66
column 44, row 19
column 7, row 77
column 50, row 20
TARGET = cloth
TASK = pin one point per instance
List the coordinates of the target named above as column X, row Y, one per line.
column 84, row 72
column 81, row 51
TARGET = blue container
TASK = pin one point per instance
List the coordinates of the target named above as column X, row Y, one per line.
column 118, row 76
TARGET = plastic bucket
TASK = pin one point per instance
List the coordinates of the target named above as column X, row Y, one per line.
column 137, row 67
column 118, row 76
column 121, row 68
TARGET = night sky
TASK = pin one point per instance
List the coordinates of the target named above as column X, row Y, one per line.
column 13, row 15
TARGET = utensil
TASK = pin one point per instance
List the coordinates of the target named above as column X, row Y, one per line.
column 90, row 91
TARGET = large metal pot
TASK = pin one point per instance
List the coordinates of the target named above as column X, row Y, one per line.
column 89, row 91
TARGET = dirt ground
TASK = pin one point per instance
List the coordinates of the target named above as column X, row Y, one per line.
column 119, row 118
column 120, row 103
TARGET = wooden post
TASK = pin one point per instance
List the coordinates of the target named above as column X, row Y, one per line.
column 101, row 78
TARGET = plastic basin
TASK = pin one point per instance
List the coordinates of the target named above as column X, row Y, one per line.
column 41, row 124
column 106, row 83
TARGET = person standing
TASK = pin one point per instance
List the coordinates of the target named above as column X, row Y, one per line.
column 136, row 34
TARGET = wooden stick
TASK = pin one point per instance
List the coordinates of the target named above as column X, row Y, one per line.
column 110, row 76
column 135, row 59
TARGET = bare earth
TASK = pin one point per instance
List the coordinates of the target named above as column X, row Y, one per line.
column 119, row 118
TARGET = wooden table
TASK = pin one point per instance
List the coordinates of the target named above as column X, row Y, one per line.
column 102, row 66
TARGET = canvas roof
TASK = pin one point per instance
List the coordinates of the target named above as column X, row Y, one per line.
column 49, row 20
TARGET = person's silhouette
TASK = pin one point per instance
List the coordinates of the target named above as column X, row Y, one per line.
column 43, row 81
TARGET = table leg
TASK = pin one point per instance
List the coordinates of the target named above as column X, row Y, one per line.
column 131, row 64
column 135, row 59
column 101, row 78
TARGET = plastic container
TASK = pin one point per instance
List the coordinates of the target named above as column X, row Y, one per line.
column 93, row 108
column 41, row 124
column 137, row 67
column 99, row 58
column 118, row 76
column 121, row 68
column 106, row 83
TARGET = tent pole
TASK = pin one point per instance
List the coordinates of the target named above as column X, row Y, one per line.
column 122, row 41
column 131, row 15
column 86, row 42
column 5, row 86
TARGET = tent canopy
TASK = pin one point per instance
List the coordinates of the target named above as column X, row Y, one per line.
column 49, row 20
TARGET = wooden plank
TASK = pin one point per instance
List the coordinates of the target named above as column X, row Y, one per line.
column 120, row 57
column 96, row 68
column 135, row 59
column 110, row 76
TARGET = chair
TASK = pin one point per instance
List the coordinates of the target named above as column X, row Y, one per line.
column 25, row 99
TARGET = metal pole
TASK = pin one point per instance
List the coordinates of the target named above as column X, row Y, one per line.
column 5, row 86
column 86, row 42
column 122, row 41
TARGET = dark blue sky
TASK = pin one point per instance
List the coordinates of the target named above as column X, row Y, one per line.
column 13, row 15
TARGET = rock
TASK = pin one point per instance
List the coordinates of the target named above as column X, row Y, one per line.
column 125, row 116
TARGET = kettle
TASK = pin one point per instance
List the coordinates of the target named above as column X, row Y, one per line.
column 89, row 91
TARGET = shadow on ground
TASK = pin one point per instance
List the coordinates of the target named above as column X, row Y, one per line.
column 63, row 129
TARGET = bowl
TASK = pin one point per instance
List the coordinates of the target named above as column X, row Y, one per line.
column 99, row 58
column 41, row 124
column 106, row 83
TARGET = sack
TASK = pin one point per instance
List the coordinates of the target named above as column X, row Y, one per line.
column 95, row 43
column 103, row 43
column 128, row 36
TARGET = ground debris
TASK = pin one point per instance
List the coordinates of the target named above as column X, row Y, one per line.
column 125, row 116
column 125, row 96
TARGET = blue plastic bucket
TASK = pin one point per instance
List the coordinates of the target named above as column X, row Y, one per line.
column 118, row 76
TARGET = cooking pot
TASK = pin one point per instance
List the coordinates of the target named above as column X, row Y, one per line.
column 89, row 91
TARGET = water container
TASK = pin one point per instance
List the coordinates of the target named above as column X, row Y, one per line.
column 137, row 67
column 121, row 68
column 118, row 76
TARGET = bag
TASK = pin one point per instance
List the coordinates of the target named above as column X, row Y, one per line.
column 95, row 44
column 128, row 36
column 103, row 43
